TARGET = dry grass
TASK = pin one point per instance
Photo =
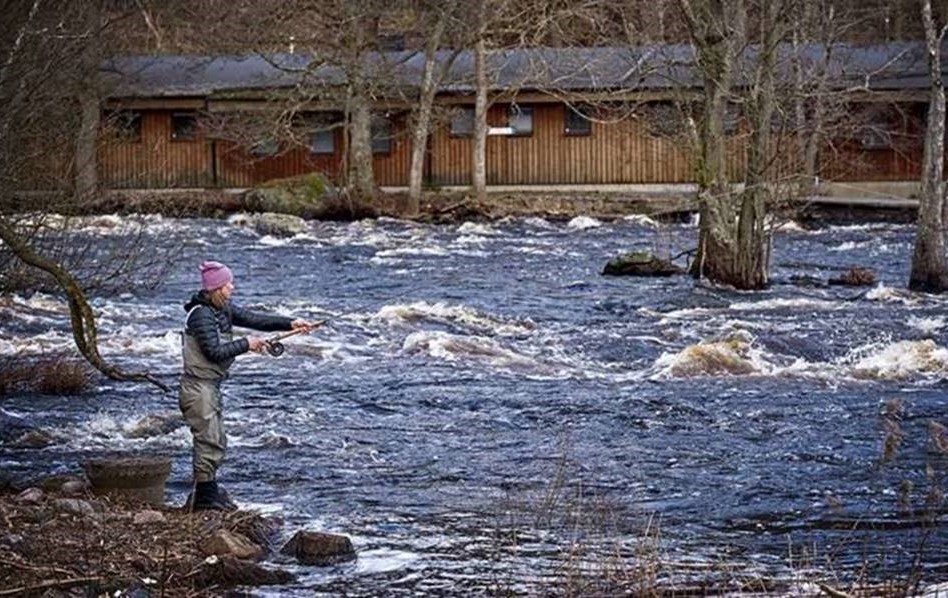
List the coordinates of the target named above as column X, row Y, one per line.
column 52, row 546
column 52, row 374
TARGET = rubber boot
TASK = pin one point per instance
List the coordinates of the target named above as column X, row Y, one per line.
column 208, row 497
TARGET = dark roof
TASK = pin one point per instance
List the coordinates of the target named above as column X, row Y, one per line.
column 890, row 66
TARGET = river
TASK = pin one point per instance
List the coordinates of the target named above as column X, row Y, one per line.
column 485, row 412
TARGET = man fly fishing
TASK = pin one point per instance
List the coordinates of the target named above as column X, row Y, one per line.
column 208, row 351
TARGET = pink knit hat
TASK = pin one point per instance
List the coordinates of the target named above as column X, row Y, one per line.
column 214, row 275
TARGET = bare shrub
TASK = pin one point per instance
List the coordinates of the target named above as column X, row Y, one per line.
column 54, row 374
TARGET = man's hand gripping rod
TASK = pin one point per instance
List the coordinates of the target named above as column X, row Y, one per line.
column 276, row 348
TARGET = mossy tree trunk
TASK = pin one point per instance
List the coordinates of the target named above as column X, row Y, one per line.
column 929, row 269
column 753, row 240
column 717, row 31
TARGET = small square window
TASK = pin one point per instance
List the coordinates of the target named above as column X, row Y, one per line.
column 265, row 148
column 323, row 142
column 125, row 125
column 381, row 135
column 576, row 123
column 520, row 119
column 184, row 126
column 462, row 122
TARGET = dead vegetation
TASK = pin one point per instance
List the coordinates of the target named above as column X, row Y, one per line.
column 50, row 543
column 48, row 374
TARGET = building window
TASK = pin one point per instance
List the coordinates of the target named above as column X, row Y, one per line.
column 265, row 148
column 184, row 126
column 381, row 135
column 576, row 122
column 462, row 122
column 323, row 142
column 125, row 125
column 520, row 119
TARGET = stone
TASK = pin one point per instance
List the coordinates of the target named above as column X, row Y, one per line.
column 641, row 263
column 228, row 571
column 855, row 277
column 74, row 487
column 279, row 225
column 32, row 439
column 75, row 506
column 136, row 478
column 157, row 424
column 318, row 548
column 30, row 496
column 148, row 517
column 227, row 543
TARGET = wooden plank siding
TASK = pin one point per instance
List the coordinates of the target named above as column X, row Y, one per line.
column 155, row 160
column 236, row 167
column 625, row 151
column 620, row 152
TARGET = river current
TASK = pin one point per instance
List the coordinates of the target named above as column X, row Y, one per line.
column 485, row 412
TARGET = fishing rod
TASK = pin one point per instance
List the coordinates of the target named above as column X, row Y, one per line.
column 275, row 346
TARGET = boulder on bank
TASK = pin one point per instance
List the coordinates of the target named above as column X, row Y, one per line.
column 855, row 277
column 641, row 263
column 309, row 196
column 317, row 548
column 300, row 196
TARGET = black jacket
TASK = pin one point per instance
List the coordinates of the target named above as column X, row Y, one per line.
column 207, row 323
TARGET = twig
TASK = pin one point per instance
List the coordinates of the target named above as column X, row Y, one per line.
column 833, row 592
column 32, row 568
column 452, row 207
column 46, row 585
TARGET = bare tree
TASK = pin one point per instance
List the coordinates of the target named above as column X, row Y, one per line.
column 929, row 267
column 44, row 51
column 717, row 30
column 436, row 17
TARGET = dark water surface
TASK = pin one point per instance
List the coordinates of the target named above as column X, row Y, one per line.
column 485, row 412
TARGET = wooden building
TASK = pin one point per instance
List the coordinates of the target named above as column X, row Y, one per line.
column 591, row 116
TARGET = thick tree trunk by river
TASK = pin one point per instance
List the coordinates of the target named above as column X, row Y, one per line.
column 929, row 268
column 361, row 171
column 479, row 177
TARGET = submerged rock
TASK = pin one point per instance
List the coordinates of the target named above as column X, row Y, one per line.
column 855, row 277
column 157, row 424
column 641, row 263
column 278, row 225
column 224, row 542
column 317, row 548
column 229, row 571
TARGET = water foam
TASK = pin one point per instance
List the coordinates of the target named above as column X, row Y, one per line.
column 583, row 223
column 454, row 314
column 451, row 347
column 899, row 360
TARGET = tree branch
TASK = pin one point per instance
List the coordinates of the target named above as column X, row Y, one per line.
column 82, row 318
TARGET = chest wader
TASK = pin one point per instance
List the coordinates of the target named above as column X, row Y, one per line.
column 200, row 402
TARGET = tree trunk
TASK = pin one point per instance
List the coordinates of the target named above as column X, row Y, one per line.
column 419, row 138
column 717, row 234
column 361, row 171
column 479, row 153
column 86, row 176
column 753, row 243
column 929, row 269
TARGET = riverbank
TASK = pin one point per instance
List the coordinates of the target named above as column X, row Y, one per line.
column 58, row 542
column 456, row 206
column 435, row 207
